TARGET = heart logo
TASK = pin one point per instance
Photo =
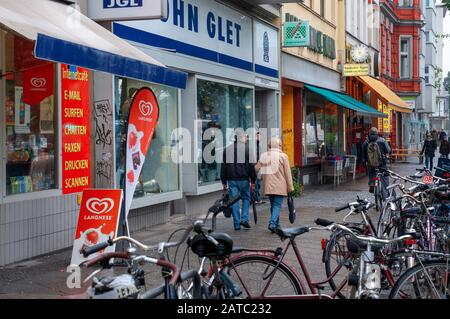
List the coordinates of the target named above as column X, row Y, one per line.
column 146, row 108
column 132, row 140
column 38, row 82
column 99, row 206
column 130, row 176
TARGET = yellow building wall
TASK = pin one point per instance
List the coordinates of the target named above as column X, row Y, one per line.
column 287, row 119
column 326, row 25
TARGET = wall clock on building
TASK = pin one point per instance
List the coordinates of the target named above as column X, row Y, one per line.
column 359, row 53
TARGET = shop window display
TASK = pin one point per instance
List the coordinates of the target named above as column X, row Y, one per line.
column 30, row 117
column 220, row 106
column 159, row 174
column 321, row 132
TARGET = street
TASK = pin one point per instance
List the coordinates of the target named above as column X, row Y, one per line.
column 45, row 277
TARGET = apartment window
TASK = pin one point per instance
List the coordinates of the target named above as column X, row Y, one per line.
column 427, row 36
column 427, row 76
column 405, row 58
column 322, row 8
column 405, row 3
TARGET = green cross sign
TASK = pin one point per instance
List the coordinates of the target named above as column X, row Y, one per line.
column 296, row 34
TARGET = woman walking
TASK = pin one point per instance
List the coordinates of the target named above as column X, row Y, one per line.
column 429, row 149
column 277, row 179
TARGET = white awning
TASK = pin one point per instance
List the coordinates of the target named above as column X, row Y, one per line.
column 65, row 35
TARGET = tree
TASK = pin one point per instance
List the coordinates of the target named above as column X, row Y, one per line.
column 446, row 3
column 447, row 82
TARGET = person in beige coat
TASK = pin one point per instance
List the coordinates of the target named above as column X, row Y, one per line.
column 275, row 171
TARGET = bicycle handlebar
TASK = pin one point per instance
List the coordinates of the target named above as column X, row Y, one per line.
column 329, row 225
column 338, row 209
column 86, row 251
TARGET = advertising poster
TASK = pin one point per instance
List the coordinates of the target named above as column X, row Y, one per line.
column 97, row 222
column 21, row 113
column 38, row 83
column 46, row 115
column 75, row 129
column 142, row 122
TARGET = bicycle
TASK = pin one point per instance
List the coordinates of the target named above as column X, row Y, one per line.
column 428, row 279
column 131, row 285
column 268, row 276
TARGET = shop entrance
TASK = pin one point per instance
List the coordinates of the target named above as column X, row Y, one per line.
column 267, row 113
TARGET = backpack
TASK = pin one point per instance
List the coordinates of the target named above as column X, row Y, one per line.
column 373, row 154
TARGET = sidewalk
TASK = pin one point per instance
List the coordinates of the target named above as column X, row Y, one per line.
column 45, row 277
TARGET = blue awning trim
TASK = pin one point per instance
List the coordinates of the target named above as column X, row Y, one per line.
column 57, row 50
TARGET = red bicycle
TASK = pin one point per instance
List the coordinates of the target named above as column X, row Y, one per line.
column 263, row 274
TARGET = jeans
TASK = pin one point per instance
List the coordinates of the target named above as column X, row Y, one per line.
column 276, row 203
column 429, row 162
column 243, row 188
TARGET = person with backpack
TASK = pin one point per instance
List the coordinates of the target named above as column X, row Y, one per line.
column 429, row 150
column 444, row 149
column 375, row 151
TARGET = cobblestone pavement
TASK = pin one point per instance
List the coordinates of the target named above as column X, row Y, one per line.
column 45, row 277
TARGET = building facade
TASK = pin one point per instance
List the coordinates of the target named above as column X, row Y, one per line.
column 57, row 118
column 440, row 116
column 401, row 23
column 231, row 59
column 309, row 57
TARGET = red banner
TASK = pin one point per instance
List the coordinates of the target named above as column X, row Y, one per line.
column 142, row 122
column 97, row 222
column 38, row 84
column 75, row 129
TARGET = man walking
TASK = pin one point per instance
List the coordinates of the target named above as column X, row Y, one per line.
column 429, row 150
column 238, row 176
column 375, row 150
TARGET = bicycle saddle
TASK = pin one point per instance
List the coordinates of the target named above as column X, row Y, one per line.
column 291, row 233
column 411, row 212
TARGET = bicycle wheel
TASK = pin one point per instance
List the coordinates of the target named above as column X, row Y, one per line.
column 429, row 280
column 260, row 276
column 338, row 259
column 377, row 195
column 387, row 225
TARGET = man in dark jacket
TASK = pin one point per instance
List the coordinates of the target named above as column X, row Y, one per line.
column 429, row 150
column 384, row 150
column 444, row 149
column 238, row 176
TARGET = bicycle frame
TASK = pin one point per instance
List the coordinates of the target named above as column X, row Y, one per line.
column 314, row 287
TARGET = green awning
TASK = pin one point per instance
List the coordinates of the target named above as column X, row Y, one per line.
column 346, row 101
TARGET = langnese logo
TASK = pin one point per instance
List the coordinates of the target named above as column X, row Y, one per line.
column 146, row 108
column 99, row 206
column 38, row 82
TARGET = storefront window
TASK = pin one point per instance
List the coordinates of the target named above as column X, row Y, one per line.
column 159, row 173
column 30, row 119
column 220, row 106
column 321, row 132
